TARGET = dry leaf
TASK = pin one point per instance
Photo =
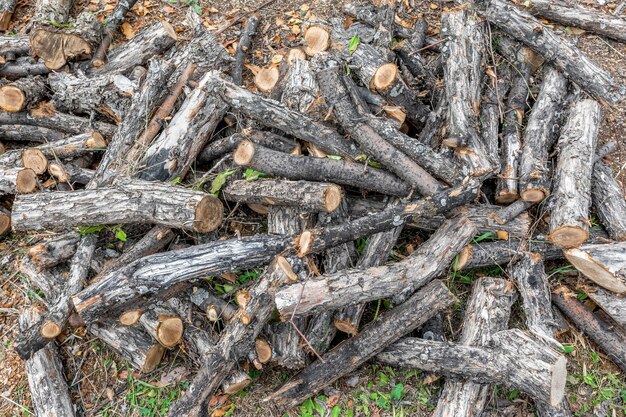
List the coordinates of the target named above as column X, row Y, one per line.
column 127, row 30
column 212, row 10
column 277, row 58
column 217, row 400
column 347, row 22
column 305, row 7
column 433, row 6
column 296, row 29
column 280, row 22
column 172, row 377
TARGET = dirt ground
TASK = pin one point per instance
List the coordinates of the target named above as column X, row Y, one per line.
column 102, row 385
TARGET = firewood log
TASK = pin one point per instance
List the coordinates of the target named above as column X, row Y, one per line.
column 608, row 200
column 354, row 286
column 369, row 342
column 12, row 47
column 588, row 19
column 73, row 146
column 559, row 52
column 463, row 75
column 572, row 193
column 26, row 133
column 539, row 136
column 46, row 379
column 113, row 23
column 507, row 185
column 29, row 158
column 54, row 251
column 243, row 46
column 174, row 150
column 22, row 94
column 276, row 115
column 219, row 147
column 18, row 181
column 151, row 41
column 214, row 307
column 492, row 110
column 603, row 264
column 7, row 7
column 70, row 173
column 613, row 304
column 375, row 253
column 342, row 172
column 58, row 121
column 23, row 67
column 58, row 39
column 36, row 337
column 127, row 202
column 308, row 196
column 163, row 325
column 488, row 312
column 602, row 330
column 336, row 95
column 5, row 221
column 510, row 358
column 47, row 281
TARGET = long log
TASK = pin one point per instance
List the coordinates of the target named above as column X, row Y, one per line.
column 539, row 136
column 308, row 196
column 274, row 114
column 614, row 305
column 127, row 202
column 510, row 358
column 307, row 168
column 336, row 96
column 603, row 264
column 131, row 286
column 558, row 51
column 353, row 352
column 151, row 41
column 591, row 20
column 18, row 181
column 26, row 133
column 46, row 379
column 74, row 146
column 58, row 121
column 606, row 333
column 491, row 110
column 354, row 286
column 572, row 193
column 507, row 185
column 487, row 312
column 174, row 150
column 608, row 199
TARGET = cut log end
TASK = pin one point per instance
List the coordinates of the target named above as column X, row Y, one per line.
column 258, row 208
column 50, row 330
column 295, row 54
column 346, row 326
column 597, row 272
column 285, row 267
column 463, row 257
column 170, row 331
column 266, row 79
column 96, row 141
column 209, row 214
column 263, row 350
column 506, row 197
column 244, row 153
column 534, row 195
column 153, row 358
column 12, row 99
column 128, row 318
column 568, row 236
column 5, row 223
column 332, row 198
column 58, row 172
column 26, row 181
column 317, row 39
column 557, row 385
column 55, row 48
column 304, row 243
column 35, row 160
column 385, row 77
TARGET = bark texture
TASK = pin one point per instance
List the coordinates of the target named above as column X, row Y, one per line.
column 603, row 264
column 608, row 200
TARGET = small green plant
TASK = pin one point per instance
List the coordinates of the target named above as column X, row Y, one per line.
column 360, row 245
column 195, row 4
column 485, row 236
column 152, row 400
column 61, row 25
column 120, row 234
column 354, row 43
column 247, row 276
column 220, row 180
column 251, row 175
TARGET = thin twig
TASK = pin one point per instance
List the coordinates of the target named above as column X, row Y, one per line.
column 432, row 44
column 495, row 73
column 298, row 330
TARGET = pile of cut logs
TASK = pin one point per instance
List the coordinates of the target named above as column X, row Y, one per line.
column 478, row 147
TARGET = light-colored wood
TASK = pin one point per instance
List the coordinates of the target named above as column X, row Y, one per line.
column 603, row 264
column 317, row 39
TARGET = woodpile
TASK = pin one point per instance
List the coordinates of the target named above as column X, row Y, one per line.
column 435, row 141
